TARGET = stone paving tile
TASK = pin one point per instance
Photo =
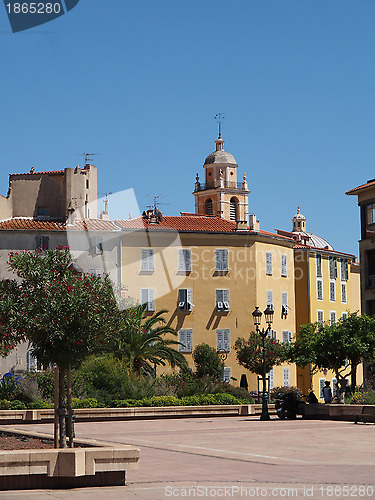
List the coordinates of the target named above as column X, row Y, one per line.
column 235, row 452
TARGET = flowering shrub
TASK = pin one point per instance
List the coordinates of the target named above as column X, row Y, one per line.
column 250, row 353
column 364, row 395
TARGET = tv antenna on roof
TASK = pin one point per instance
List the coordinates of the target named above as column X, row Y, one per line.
column 156, row 201
column 105, row 201
column 219, row 117
column 87, row 156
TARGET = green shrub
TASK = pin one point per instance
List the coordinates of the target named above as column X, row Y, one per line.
column 85, row 403
column 207, row 362
column 17, row 405
column 39, row 405
column 4, row 404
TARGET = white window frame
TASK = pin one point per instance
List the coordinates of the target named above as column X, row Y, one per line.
column 332, row 267
column 284, row 267
column 271, row 375
column 268, row 263
column 344, row 315
column 184, row 260
column 227, row 374
column 96, row 271
column 185, row 336
column 32, row 362
column 148, row 297
column 344, row 270
column 286, row 381
column 223, row 339
column 321, row 312
column 221, row 259
column 318, row 261
column 147, row 259
column 222, row 299
column 344, row 297
column 331, row 315
column 185, row 299
column 42, row 242
column 287, row 337
column 319, row 280
column 272, row 334
column 332, row 291
column 284, row 302
column 269, row 299
column 97, row 247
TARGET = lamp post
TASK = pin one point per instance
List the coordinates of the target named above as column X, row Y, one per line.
column 257, row 315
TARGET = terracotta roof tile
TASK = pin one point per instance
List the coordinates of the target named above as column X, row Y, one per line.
column 359, row 188
column 36, row 173
column 23, row 224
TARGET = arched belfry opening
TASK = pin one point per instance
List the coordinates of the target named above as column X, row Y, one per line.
column 209, row 210
column 233, row 209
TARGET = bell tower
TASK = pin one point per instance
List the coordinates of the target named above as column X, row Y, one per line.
column 221, row 195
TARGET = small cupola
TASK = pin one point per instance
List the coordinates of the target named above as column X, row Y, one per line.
column 299, row 222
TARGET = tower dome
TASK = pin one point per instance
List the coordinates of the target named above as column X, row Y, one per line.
column 299, row 228
column 220, row 157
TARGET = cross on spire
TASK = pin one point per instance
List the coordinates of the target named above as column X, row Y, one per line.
column 219, row 117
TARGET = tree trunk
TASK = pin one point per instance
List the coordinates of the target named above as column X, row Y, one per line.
column 353, row 375
column 69, row 406
column 56, row 406
column 62, row 409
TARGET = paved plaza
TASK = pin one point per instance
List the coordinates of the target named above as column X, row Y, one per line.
column 232, row 457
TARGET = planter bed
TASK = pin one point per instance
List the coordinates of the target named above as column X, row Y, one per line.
column 90, row 463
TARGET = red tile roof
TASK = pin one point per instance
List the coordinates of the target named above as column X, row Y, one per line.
column 189, row 223
column 20, row 224
column 37, row 173
column 359, row 188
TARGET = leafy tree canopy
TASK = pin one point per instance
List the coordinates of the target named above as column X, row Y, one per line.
column 207, row 362
column 250, row 353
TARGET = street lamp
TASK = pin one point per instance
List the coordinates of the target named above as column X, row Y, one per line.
column 257, row 315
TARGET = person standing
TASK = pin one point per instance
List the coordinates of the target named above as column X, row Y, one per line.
column 327, row 392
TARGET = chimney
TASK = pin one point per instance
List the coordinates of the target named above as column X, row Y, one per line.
column 254, row 223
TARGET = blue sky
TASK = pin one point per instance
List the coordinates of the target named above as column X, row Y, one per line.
column 140, row 83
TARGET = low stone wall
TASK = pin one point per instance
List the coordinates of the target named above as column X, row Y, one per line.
column 102, row 414
column 336, row 412
column 94, row 463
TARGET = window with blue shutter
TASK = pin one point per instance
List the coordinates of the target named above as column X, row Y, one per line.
column 222, row 340
column 332, row 291
column 222, row 300
column 227, row 375
column 147, row 259
column 269, row 263
column 319, row 289
column 148, row 297
column 343, row 293
column 269, row 298
column 283, row 266
column 318, row 265
column 221, row 259
column 286, row 377
column 186, row 339
column 185, row 299
column 184, row 260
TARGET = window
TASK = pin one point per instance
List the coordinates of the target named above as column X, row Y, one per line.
column 222, row 300
column 41, row 242
column 233, row 209
column 321, row 386
column 370, row 209
column 344, row 315
column 334, row 387
column 332, row 317
column 332, row 291
column 283, row 265
column 332, row 268
column 227, row 375
column 284, row 303
column 184, row 260
column 147, row 259
column 148, row 297
column 286, row 377
column 343, row 293
column 269, row 263
column 97, row 271
column 320, row 318
column 87, row 184
column 269, row 298
column 221, row 260
column 344, row 270
column 318, row 265
column 222, row 340
column 209, row 210
column 271, row 379
column 272, row 334
column 287, row 337
column 97, row 245
column 185, row 301
column 32, row 363
column 319, row 289
column 43, row 211
column 186, row 339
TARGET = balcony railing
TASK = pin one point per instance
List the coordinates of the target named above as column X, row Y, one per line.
column 213, row 185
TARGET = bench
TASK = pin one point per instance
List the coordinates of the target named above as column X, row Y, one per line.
column 367, row 415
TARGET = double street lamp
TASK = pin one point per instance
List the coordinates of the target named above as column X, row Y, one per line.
column 257, row 315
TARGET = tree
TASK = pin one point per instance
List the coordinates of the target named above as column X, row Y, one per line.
column 331, row 346
column 249, row 353
column 207, row 362
column 139, row 341
column 64, row 315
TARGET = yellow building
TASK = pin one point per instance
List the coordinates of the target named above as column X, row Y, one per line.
column 327, row 286
column 211, row 269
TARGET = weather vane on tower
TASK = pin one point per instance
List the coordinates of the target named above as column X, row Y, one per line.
column 219, row 117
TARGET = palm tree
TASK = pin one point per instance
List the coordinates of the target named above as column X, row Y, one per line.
column 140, row 344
